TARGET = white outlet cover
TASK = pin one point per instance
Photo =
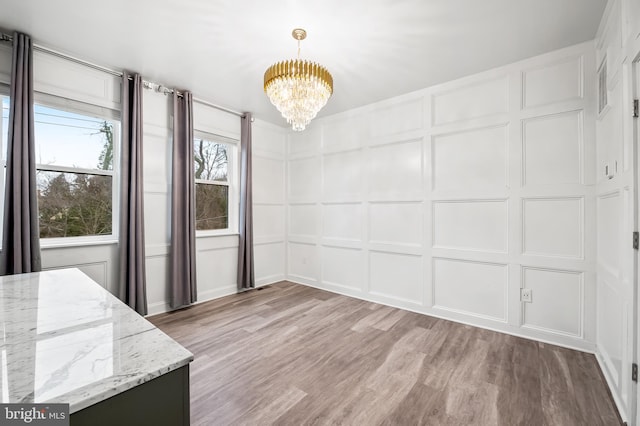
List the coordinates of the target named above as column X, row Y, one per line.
column 526, row 295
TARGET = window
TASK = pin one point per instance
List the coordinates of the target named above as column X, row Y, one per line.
column 75, row 155
column 213, row 167
column 602, row 86
column 4, row 126
column 4, row 137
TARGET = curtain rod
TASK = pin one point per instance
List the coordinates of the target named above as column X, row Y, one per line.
column 147, row 84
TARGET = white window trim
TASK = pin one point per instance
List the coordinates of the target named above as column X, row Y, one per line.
column 600, row 89
column 70, row 105
column 88, row 240
column 232, row 182
column 4, row 91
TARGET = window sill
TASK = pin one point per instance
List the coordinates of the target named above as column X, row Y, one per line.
column 54, row 243
column 208, row 234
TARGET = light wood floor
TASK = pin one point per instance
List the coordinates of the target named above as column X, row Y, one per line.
column 293, row 355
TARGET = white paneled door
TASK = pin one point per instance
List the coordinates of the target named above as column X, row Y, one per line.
column 617, row 261
column 635, row 335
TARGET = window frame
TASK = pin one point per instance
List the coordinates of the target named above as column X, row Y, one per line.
column 232, row 183
column 4, row 91
column 78, row 107
column 602, row 89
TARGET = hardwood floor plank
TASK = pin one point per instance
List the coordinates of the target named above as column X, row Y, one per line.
column 372, row 319
column 559, row 405
column 295, row 355
column 514, row 366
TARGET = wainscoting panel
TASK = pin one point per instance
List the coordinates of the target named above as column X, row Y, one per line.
column 217, row 122
column 304, row 180
column 384, row 228
column 304, row 144
column 215, row 272
column 553, row 227
column 395, row 171
column 396, row 276
column 553, row 149
column 397, row 118
column 268, row 221
column 304, row 220
column 611, row 328
column 157, row 213
column 268, row 180
column 342, row 267
column 455, row 225
column 67, row 79
column 157, row 292
column 478, row 99
column 303, row 261
column 471, row 160
column 96, row 262
column 609, row 206
column 342, row 221
column 550, row 83
column 344, row 134
column 269, row 262
column 342, row 176
column 474, row 288
column 558, row 300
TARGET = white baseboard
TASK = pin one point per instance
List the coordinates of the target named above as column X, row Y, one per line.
column 565, row 342
column 610, row 382
column 208, row 295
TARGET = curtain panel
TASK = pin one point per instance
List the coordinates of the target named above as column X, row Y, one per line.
column 182, row 285
column 20, row 228
column 132, row 287
column 246, row 274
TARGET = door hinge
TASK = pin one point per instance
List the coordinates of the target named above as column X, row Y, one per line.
column 636, row 108
column 634, row 372
column 636, row 240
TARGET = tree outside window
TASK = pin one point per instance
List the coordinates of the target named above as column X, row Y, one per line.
column 211, row 167
column 75, row 161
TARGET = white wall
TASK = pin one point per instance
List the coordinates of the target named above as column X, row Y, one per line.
column 216, row 262
column 448, row 200
column 216, row 255
column 70, row 80
column 269, row 208
column 617, row 46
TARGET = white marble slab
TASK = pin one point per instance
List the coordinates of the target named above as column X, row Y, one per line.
column 64, row 338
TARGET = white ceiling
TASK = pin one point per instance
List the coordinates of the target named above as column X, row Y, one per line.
column 375, row 49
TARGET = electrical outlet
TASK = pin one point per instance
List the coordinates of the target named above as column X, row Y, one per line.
column 526, row 295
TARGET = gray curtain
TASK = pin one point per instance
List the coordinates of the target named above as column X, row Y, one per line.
column 182, row 286
column 132, row 287
column 246, row 276
column 20, row 228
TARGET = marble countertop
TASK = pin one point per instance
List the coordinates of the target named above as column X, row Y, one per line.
column 64, row 338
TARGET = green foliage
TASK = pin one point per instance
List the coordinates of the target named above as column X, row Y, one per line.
column 74, row 204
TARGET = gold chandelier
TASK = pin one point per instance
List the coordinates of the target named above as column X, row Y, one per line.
column 298, row 88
